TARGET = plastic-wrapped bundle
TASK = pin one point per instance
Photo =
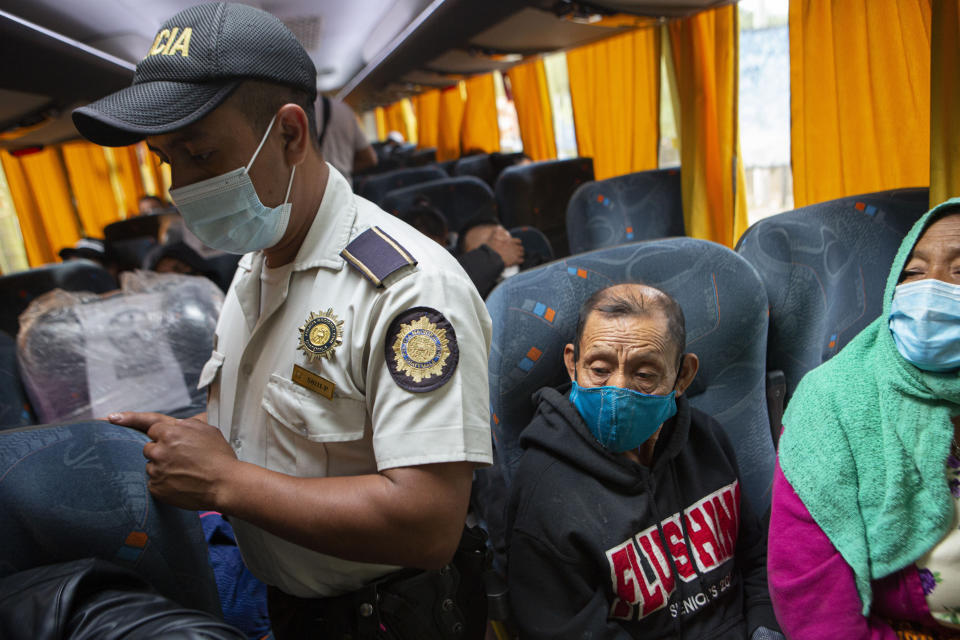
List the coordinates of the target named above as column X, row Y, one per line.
column 139, row 349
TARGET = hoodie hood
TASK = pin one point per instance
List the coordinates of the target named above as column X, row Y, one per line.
column 550, row 431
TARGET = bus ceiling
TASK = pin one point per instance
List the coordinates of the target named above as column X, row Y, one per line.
column 65, row 54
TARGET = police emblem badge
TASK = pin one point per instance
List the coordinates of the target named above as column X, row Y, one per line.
column 320, row 335
column 421, row 349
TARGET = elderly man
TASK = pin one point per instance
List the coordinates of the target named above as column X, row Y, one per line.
column 625, row 519
column 347, row 387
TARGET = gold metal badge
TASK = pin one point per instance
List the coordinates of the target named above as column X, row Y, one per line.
column 321, row 335
column 421, row 349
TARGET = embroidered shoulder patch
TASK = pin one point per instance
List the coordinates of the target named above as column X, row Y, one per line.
column 421, row 349
column 376, row 255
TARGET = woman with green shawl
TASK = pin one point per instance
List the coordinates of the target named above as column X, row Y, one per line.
column 864, row 539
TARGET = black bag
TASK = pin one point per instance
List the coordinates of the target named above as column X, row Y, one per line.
column 93, row 599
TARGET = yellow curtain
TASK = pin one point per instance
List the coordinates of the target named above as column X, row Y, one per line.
column 615, row 91
column 945, row 102
column 399, row 117
column 427, row 109
column 380, row 115
column 480, row 131
column 450, row 120
column 532, row 101
column 705, row 60
column 89, row 176
column 41, row 196
column 126, row 178
column 860, row 96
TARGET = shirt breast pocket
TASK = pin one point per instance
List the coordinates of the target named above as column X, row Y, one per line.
column 302, row 425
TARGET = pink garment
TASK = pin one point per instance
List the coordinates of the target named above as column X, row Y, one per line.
column 812, row 587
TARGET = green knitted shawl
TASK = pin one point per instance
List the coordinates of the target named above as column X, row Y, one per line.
column 865, row 444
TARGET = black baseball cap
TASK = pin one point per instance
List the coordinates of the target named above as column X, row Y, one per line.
column 198, row 57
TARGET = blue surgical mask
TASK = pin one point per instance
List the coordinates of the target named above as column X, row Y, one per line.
column 622, row 419
column 225, row 211
column 925, row 323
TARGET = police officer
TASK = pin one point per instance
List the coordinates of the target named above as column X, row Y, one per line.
column 348, row 400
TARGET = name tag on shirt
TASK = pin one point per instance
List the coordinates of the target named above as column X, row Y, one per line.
column 313, row 382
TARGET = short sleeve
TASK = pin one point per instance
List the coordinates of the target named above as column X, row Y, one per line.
column 426, row 375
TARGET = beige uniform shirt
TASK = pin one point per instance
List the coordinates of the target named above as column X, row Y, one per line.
column 373, row 421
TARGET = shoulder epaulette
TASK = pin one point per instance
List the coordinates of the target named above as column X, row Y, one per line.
column 376, row 255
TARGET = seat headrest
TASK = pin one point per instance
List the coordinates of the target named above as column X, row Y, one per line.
column 825, row 268
column 79, row 490
column 638, row 206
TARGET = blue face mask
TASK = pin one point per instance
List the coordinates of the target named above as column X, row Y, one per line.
column 225, row 211
column 621, row 419
column 925, row 323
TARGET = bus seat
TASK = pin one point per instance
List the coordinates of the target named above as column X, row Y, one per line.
column 459, row 199
column 447, row 166
column 72, row 491
column 638, row 206
column 825, row 267
column 18, row 289
column 15, row 410
column 534, row 316
column 478, row 166
column 422, row 157
column 141, row 349
column 537, row 194
column 377, row 186
column 129, row 241
column 536, row 246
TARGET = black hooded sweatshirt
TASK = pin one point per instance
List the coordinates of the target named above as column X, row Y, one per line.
column 603, row 547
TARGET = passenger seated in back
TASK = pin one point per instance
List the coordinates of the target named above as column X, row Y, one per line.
column 625, row 519
column 485, row 257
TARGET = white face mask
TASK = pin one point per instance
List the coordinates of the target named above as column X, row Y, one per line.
column 225, row 212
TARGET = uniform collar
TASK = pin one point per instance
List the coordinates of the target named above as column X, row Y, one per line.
column 328, row 234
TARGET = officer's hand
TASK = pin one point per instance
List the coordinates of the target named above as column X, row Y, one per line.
column 509, row 248
column 187, row 460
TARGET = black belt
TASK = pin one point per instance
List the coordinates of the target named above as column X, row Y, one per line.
column 405, row 605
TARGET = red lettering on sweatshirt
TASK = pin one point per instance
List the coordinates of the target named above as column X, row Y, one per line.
column 712, row 524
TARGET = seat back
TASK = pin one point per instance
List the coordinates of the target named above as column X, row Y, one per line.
column 478, row 166
column 638, row 206
column 458, row 199
column 18, row 289
column 824, row 268
column 536, row 246
column 377, row 186
column 14, row 408
column 422, row 157
column 79, row 490
column 535, row 312
column 537, row 195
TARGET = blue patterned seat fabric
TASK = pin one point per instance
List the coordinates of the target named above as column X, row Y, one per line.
column 458, row 199
column 537, row 195
column 17, row 290
column 824, row 268
column 79, row 490
column 534, row 315
column 638, row 206
column 375, row 187
column 14, row 406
